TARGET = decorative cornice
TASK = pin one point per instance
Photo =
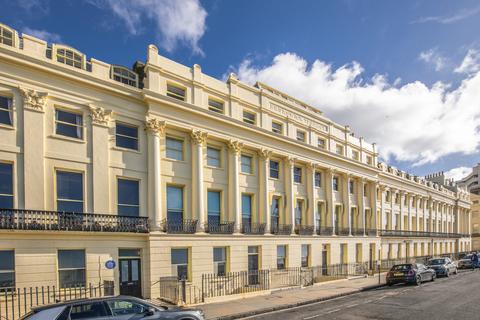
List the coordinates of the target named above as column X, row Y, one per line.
column 34, row 100
column 155, row 126
column 99, row 115
column 235, row 146
column 198, row 137
column 265, row 154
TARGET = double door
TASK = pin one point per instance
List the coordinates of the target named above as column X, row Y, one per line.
column 130, row 277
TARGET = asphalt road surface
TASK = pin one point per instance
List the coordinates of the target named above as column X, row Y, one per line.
column 457, row 297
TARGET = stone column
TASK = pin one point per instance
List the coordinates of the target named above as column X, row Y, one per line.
column 155, row 129
column 346, row 202
column 329, row 194
column 400, row 207
column 100, row 158
column 34, row 149
column 263, row 174
column 409, row 212
column 312, row 202
column 361, row 202
column 235, row 148
column 198, row 139
column 290, row 208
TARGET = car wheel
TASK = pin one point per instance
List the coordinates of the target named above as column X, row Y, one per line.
column 418, row 281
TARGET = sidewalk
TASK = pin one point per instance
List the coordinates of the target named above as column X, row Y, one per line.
column 288, row 298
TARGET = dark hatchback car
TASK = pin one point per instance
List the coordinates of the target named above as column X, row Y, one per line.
column 110, row 308
column 443, row 266
column 414, row 273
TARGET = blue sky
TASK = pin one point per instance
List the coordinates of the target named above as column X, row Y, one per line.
column 412, row 66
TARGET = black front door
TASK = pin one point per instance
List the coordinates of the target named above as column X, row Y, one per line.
column 130, row 277
column 253, row 276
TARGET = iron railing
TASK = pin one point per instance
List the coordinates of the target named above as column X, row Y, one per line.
column 342, row 231
column 358, row 231
column 22, row 219
column 16, row 302
column 214, row 285
column 224, row 227
column 253, row 228
column 371, row 232
column 179, row 291
column 421, row 234
column 324, row 231
column 281, row 229
column 304, row 230
column 185, row 226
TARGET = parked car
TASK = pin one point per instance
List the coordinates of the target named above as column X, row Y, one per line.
column 466, row 262
column 442, row 266
column 110, row 308
column 407, row 273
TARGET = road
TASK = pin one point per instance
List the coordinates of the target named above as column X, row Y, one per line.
column 457, row 297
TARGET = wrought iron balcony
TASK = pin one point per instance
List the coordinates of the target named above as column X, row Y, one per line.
column 342, row 231
column 185, row 226
column 418, row 234
column 223, row 227
column 253, row 228
column 324, row 231
column 303, row 230
column 21, row 219
column 371, row 232
column 357, row 231
column 281, row 229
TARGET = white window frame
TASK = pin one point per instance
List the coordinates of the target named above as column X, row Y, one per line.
column 131, row 77
column 71, row 269
column 277, row 130
column 216, row 105
column 14, row 39
column 125, row 136
column 56, row 56
column 248, row 120
column 301, row 135
column 9, row 110
column 176, row 95
column 175, row 150
column 250, row 165
column 9, row 271
column 70, row 200
column 82, row 126
column 209, row 157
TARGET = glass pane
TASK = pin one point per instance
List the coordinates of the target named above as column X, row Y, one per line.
column 253, row 249
column 6, row 202
column 128, row 192
column 5, row 117
column 71, row 278
column 67, row 130
column 281, row 250
column 246, row 164
column 179, row 256
column 124, row 270
column 7, row 280
column 7, row 260
column 219, row 254
column 126, row 307
column 129, row 252
column 128, row 211
column 174, row 198
column 69, row 206
column 135, row 270
column 182, row 271
column 125, row 142
column 69, row 185
column 174, row 149
column 68, row 117
column 125, row 130
column 246, row 205
column 213, row 157
column 91, row 310
column 6, row 178
column 213, row 202
column 71, row 259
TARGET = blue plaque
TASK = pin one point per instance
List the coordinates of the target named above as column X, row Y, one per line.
column 110, row 264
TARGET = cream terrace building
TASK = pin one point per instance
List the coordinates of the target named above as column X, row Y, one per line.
column 170, row 172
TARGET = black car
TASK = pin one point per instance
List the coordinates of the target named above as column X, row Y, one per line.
column 443, row 266
column 110, row 308
column 414, row 273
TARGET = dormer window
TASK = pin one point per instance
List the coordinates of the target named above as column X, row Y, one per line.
column 7, row 36
column 69, row 56
column 124, row 75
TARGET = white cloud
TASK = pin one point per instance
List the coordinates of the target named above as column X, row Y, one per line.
column 471, row 62
column 433, row 57
column 34, row 6
column 42, row 34
column 458, row 173
column 458, row 16
column 412, row 122
column 176, row 21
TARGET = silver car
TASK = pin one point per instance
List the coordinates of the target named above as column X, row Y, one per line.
column 443, row 266
column 111, row 308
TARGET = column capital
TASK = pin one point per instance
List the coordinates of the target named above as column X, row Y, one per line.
column 290, row 161
column 99, row 115
column 155, row 126
column 264, row 154
column 198, row 137
column 235, row 146
column 33, row 99
column 311, row 166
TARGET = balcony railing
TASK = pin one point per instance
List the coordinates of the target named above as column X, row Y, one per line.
column 281, row 229
column 424, row 234
column 371, row 232
column 21, row 219
column 324, row 231
column 304, row 230
column 224, row 227
column 358, row 231
column 253, row 228
column 342, row 231
column 185, row 226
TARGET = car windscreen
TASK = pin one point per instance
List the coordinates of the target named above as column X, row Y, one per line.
column 435, row 262
column 402, row 267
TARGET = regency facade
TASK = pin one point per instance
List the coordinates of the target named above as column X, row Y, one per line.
column 168, row 171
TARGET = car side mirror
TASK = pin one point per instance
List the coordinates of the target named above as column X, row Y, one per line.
column 150, row 312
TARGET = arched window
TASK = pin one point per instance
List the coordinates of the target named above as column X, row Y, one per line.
column 69, row 56
column 124, row 75
column 8, row 36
